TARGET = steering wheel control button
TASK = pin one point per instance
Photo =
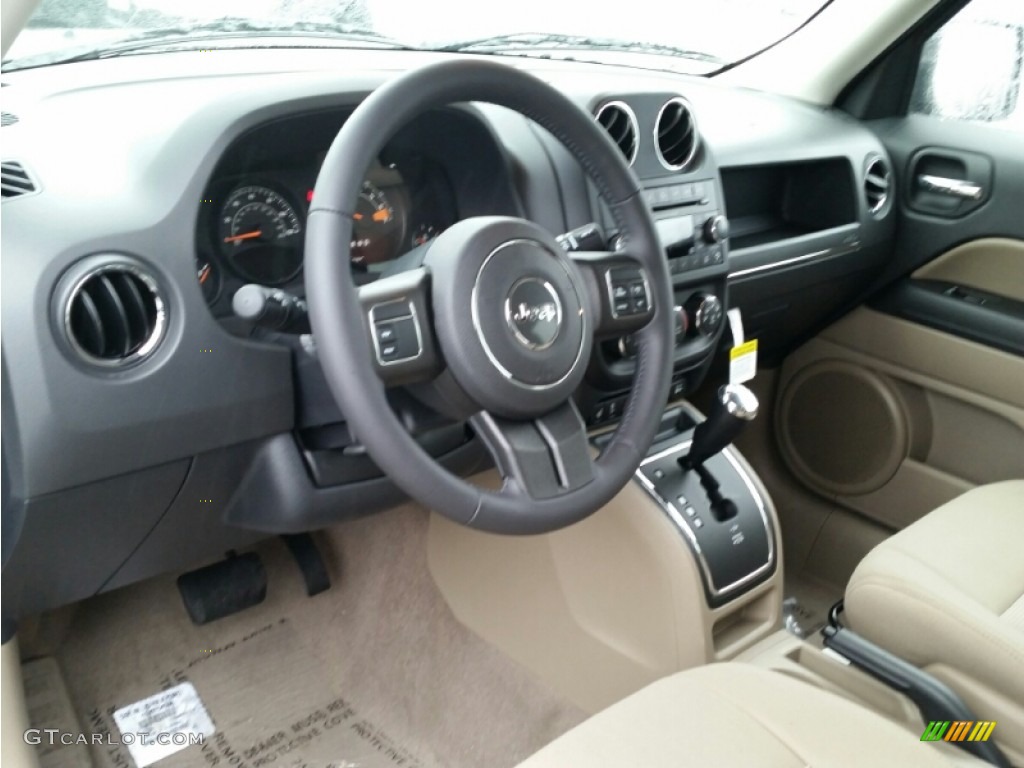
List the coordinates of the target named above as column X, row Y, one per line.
column 534, row 313
column 628, row 292
column 396, row 332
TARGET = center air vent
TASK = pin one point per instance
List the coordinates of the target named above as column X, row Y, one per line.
column 675, row 135
column 15, row 180
column 114, row 314
column 877, row 183
column 620, row 123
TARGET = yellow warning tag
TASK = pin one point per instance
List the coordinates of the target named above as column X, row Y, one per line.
column 743, row 349
column 743, row 362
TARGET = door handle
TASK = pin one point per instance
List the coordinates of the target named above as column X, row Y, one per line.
column 961, row 188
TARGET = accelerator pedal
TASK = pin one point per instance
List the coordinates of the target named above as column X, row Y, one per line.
column 310, row 562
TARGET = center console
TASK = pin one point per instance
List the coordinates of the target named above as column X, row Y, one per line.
column 681, row 568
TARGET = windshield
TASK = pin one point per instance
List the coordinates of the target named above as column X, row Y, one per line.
column 697, row 36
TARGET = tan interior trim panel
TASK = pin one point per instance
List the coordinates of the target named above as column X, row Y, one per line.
column 933, row 359
column 992, row 264
column 14, row 751
column 602, row 608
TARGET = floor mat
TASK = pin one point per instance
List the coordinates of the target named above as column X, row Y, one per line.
column 373, row 673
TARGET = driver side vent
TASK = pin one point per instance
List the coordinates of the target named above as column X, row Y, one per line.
column 620, row 123
column 877, row 184
column 676, row 135
column 114, row 315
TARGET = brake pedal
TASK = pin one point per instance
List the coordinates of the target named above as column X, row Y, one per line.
column 311, row 563
column 223, row 588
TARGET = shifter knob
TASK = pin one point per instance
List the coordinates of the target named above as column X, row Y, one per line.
column 733, row 408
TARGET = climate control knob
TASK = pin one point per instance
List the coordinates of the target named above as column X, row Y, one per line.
column 715, row 229
column 682, row 322
column 706, row 312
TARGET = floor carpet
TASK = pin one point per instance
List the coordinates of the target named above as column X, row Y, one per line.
column 374, row 673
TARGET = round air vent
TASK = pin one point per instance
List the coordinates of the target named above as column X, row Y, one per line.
column 114, row 314
column 620, row 123
column 675, row 134
column 877, row 185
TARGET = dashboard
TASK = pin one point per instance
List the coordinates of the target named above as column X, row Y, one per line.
column 132, row 388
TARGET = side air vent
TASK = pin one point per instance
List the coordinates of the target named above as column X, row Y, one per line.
column 620, row 123
column 15, row 180
column 114, row 314
column 7, row 118
column 675, row 134
column 877, row 185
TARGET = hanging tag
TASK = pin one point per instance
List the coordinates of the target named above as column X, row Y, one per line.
column 743, row 355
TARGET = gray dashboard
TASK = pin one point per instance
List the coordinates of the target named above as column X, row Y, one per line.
column 107, row 472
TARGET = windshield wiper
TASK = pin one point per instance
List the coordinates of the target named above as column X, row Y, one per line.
column 200, row 35
column 527, row 41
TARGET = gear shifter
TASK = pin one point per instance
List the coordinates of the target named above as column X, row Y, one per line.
column 733, row 408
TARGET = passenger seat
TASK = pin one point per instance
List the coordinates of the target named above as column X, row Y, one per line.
column 947, row 595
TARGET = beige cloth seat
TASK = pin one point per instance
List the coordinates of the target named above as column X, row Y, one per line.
column 740, row 716
column 947, row 594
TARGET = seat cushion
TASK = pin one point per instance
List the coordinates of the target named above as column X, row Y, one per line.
column 731, row 715
column 947, row 594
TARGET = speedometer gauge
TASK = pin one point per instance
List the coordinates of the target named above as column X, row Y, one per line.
column 260, row 234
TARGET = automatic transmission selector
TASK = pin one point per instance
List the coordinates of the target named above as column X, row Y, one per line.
column 734, row 407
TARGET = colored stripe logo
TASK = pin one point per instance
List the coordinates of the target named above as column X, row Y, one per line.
column 958, row 730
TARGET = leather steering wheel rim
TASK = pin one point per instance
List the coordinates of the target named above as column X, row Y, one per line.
column 341, row 326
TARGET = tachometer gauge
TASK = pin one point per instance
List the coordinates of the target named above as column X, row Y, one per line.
column 377, row 227
column 261, row 235
column 424, row 234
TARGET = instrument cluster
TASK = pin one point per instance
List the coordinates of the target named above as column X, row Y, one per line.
column 253, row 225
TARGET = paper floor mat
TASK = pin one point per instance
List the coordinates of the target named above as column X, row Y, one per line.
column 271, row 707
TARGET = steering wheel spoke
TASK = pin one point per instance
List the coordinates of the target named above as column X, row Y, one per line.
column 544, row 457
column 398, row 320
column 622, row 289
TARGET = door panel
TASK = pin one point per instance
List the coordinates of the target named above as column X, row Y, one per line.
column 871, row 386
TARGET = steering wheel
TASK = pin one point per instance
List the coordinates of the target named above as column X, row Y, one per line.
column 498, row 321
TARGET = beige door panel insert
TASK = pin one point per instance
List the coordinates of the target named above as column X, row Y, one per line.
column 602, row 608
column 891, row 419
column 992, row 264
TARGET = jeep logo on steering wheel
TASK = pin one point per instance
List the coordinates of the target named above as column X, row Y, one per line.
column 533, row 312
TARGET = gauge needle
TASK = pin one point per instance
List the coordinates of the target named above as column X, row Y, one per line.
column 204, row 273
column 243, row 236
column 381, row 215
